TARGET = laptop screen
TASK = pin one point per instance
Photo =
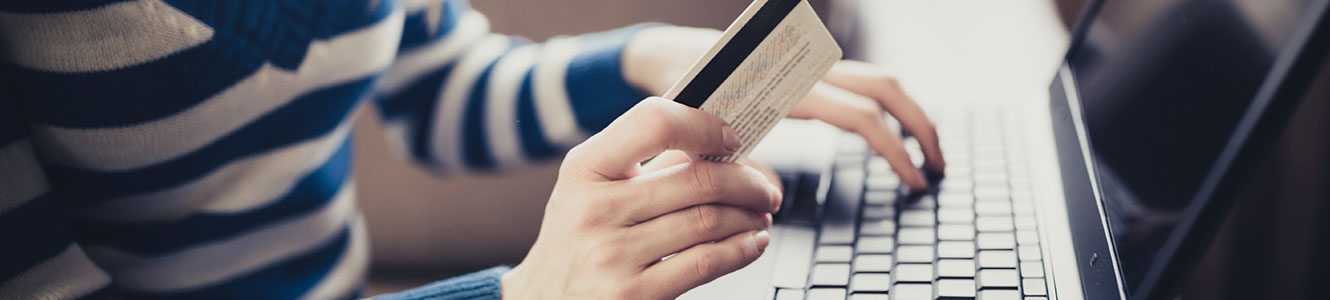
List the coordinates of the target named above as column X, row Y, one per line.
column 1163, row 83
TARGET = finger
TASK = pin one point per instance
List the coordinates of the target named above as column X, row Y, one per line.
column 649, row 128
column 667, row 159
column 674, row 157
column 705, row 262
column 869, row 80
column 681, row 229
column 699, row 183
column 860, row 115
column 766, row 171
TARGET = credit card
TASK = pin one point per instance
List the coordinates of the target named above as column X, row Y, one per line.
column 766, row 61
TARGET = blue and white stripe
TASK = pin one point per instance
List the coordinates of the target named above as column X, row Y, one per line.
column 202, row 149
column 41, row 259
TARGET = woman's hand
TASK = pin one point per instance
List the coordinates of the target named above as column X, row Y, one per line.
column 610, row 223
column 852, row 96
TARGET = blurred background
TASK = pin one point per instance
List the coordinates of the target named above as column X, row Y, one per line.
column 1274, row 245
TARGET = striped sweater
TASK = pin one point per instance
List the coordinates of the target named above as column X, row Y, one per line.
column 200, row 149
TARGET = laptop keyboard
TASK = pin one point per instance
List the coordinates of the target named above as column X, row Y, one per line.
column 973, row 237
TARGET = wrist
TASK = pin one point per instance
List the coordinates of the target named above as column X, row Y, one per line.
column 639, row 61
column 515, row 284
column 656, row 57
column 508, row 283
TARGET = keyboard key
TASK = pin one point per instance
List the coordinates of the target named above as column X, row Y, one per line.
column 831, row 274
column 878, row 165
column 991, row 187
column 914, row 273
column 993, row 208
column 789, row 294
column 955, row 215
column 914, row 254
column 955, row 289
column 990, row 164
column 956, row 184
column 877, row 228
column 955, row 199
column 793, row 251
column 998, row 295
column 996, row 240
column 876, row 244
column 1025, row 223
column 863, row 296
column 912, row 291
column 879, row 212
column 848, row 143
column 955, row 249
column 1034, row 287
column 873, row 263
column 958, row 162
column 834, row 254
column 916, row 236
column 962, row 268
column 993, row 224
column 882, row 183
column 826, row 294
column 955, row 232
column 1022, row 194
column 997, row 259
column 998, row 278
column 1023, row 208
column 921, row 201
column 1027, row 237
column 880, row 197
column 917, row 217
column 1029, row 252
column 870, row 282
column 1032, row 269
column 837, row 234
column 842, row 209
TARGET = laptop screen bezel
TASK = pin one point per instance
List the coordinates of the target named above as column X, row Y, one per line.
column 1264, row 119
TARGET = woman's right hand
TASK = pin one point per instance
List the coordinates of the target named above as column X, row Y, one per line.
column 610, row 224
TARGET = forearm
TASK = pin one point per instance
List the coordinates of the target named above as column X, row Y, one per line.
column 466, row 98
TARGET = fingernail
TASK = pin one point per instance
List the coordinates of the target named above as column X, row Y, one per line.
column 769, row 220
column 731, row 138
column 762, row 239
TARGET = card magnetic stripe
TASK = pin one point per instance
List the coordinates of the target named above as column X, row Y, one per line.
column 735, row 52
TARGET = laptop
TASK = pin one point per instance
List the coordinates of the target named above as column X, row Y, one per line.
column 1110, row 189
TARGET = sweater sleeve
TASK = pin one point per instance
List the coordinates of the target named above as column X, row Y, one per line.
column 40, row 259
column 461, row 97
column 483, row 285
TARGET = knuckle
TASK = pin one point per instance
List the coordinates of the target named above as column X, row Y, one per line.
column 705, row 267
column 704, row 179
column 574, row 158
column 657, row 124
column 604, row 209
column 706, row 219
column 887, row 80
